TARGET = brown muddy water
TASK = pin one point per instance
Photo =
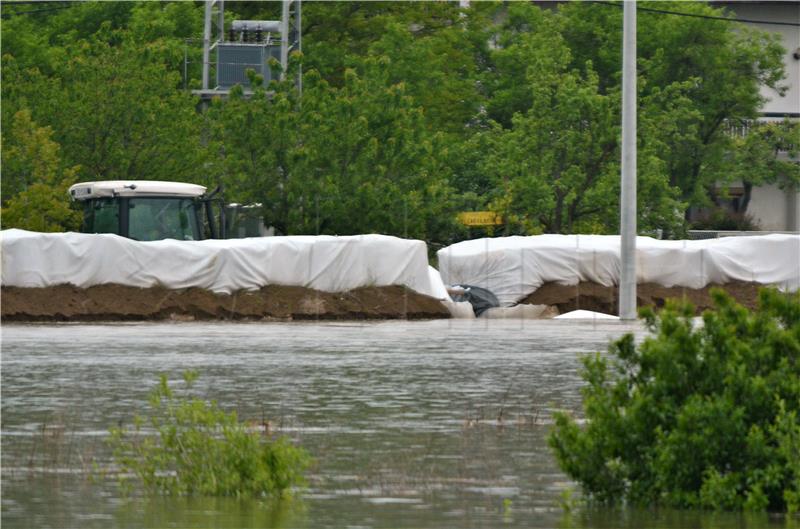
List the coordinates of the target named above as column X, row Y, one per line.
column 412, row 424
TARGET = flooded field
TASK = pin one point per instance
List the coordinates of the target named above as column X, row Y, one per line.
column 411, row 424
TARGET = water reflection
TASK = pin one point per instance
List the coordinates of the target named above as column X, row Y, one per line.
column 222, row 513
column 597, row 518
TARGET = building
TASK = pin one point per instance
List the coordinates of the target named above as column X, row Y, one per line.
column 773, row 208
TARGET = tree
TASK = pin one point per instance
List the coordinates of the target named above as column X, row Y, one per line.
column 438, row 71
column 346, row 160
column 528, row 38
column 39, row 40
column 696, row 416
column 718, row 66
column 35, row 179
column 433, row 48
column 763, row 155
column 337, row 34
column 552, row 163
column 114, row 108
column 556, row 169
column 118, row 114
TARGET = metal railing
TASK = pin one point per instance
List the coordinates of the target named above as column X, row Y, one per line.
column 740, row 128
column 715, row 234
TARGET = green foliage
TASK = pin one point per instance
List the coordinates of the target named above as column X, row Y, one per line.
column 694, row 76
column 411, row 112
column 35, row 178
column 112, row 104
column 695, row 416
column 763, row 155
column 554, row 165
column 721, row 218
column 716, row 67
column 383, row 173
column 199, row 449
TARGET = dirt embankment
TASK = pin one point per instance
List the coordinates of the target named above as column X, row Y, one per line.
column 598, row 298
column 118, row 303
column 123, row 303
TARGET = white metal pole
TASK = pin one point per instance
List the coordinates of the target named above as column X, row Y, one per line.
column 298, row 13
column 206, row 42
column 627, row 283
column 285, row 38
column 221, row 20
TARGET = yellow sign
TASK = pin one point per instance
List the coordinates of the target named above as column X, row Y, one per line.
column 480, row 218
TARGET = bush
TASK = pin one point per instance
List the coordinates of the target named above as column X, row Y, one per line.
column 720, row 218
column 696, row 416
column 200, row 449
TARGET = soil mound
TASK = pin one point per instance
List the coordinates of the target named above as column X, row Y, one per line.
column 599, row 298
column 118, row 302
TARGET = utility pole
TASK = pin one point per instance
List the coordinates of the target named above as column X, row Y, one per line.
column 627, row 282
column 209, row 46
column 207, row 42
column 298, row 16
column 284, row 38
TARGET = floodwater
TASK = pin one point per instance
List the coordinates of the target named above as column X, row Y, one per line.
column 412, row 424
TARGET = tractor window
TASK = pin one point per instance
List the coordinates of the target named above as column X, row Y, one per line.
column 102, row 216
column 153, row 219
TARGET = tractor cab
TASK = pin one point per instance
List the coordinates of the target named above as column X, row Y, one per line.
column 146, row 210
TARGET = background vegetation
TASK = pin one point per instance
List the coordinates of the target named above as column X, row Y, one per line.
column 411, row 112
column 696, row 416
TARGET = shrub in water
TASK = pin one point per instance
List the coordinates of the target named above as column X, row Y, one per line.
column 200, row 449
column 696, row 416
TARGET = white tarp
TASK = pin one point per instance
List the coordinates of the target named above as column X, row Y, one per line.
column 514, row 267
column 585, row 315
column 327, row 263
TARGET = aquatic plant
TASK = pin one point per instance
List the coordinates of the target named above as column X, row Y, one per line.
column 199, row 449
column 701, row 416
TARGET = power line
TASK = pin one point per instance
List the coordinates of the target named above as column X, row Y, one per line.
column 693, row 15
column 9, row 15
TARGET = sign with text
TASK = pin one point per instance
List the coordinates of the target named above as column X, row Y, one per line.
column 480, row 218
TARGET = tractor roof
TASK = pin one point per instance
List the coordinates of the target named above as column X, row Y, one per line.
column 134, row 188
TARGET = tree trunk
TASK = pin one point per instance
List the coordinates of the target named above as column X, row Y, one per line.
column 748, row 193
column 557, row 214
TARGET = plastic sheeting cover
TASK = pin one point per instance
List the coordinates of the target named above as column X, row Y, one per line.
column 585, row 315
column 327, row 263
column 514, row 267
